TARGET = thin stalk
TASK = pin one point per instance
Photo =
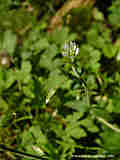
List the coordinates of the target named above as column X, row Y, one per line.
column 93, row 156
column 84, row 84
column 23, row 118
column 21, row 154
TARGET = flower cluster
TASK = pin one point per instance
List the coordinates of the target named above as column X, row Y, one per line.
column 70, row 49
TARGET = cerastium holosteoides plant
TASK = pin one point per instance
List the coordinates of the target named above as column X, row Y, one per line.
column 70, row 51
column 57, row 103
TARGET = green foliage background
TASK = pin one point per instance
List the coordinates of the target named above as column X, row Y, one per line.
column 36, row 72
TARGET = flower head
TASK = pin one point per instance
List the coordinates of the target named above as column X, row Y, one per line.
column 70, row 49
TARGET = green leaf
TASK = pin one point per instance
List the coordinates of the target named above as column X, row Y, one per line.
column 27, row 139
column 95, row 55
column 7, row 78
column 114, row 17
column 116, row 104
column 98, row 15
column 26, row 55
column 40, row 45
column 23, row 76
column 1, row 39
column 26, row 66
column 9, row 42
column 10, row 78
column 75, row 131
column 73, row 126
column 46, row 60
column 78, row 105
column 19, row 75
column 91, row 82
column 111, row 140
column 92, row 36
column 109, row 50
column 28, row 92
column 100, row 42
column 37, row 133
column 3, row 105
column 93, row 61
column 89, row 124
column 59, row 37
column 2, row 82
column 55, row 80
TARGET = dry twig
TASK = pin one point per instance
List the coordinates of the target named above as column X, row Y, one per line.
column 57, row 19
column 108, row 124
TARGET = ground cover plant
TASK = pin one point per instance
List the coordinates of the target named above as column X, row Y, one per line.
column 59, row 79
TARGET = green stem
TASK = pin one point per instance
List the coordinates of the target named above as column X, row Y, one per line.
column 22, row 118
column 84, row 84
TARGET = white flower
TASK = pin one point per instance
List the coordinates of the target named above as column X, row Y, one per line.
column 70, row 49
